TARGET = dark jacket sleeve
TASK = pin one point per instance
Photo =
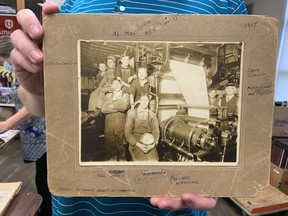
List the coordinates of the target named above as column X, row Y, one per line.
column 154, row 127
column 129, row 128
column 106, row 105
column 122, row 104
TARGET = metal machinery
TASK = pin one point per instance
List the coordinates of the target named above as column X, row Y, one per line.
column 190, row 138
column 185, row 138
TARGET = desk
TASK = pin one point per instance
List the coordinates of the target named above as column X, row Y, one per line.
column 268, row 201
column 27, row 204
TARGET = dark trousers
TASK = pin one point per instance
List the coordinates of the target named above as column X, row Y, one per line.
column 42, row 186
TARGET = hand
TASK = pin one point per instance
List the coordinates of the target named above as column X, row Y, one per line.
column 145, row 148
column 27, row 56
column 130, row 79
column 148, row 148
column 141, row 146
column 187, row 200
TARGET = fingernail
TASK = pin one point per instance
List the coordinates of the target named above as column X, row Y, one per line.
column 34, row 29
column 36, row 55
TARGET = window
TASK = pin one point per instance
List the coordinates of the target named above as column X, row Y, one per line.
column 281, row 90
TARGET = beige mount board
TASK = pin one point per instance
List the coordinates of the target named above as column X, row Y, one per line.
column 202, row 147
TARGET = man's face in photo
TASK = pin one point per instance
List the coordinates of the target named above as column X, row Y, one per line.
column 110, row 63
column 144, row 102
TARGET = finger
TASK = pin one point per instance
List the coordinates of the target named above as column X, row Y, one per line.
column 188, row 200
column 30, row 24
column 26, row 46
column 147, row 149
column 50, row 8
column 20, row 63
column 170, row 203
column 154, row 200
column 197, row 202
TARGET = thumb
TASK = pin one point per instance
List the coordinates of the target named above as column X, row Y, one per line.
column 50, row 8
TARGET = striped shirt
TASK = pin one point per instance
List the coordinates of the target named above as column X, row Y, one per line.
column 136, row 206
column 113, row 206
column 155, row 6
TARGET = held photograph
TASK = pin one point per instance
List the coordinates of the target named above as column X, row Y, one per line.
column 125, row 112
column 155, row 102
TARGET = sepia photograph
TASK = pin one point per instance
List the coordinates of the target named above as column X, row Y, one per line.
column 148, row 105
column 159, row 101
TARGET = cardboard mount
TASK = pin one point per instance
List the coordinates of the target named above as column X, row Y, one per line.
column 241, row 49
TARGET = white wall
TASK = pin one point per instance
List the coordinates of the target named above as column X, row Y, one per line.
column 281, row 93
column 274, row 8
column 277, row 9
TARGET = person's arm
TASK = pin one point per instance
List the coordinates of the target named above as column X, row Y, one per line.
column 154, row 127
column 15, row 120
column 98, row 80
column 132, row 75
column 107, row 105
column 132, row 91
column 122, row 104
column 132, row 100
column 117, row 72
column 129, row 126
column 34, row 104
column 103, row 80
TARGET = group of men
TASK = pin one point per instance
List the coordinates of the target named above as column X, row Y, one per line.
column 124, row 98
